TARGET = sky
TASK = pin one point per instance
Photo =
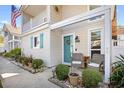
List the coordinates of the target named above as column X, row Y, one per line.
column 5, row 15
column 120, row 15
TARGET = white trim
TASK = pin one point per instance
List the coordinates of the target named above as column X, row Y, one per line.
column 96, row 20
column 35, row 29
column 14, row 40
column 89, row 39
column 73, row 34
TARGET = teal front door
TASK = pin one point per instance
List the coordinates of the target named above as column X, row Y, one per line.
column 68, row 47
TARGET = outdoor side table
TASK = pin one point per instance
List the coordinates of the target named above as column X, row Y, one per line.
column 86, row 59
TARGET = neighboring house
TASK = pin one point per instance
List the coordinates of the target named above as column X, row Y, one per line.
column 11, row 37
column 120, row 33
column 1, row 41
column 53, row 32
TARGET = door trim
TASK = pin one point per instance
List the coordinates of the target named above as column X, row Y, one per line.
column 89, row 39
column 73, row 34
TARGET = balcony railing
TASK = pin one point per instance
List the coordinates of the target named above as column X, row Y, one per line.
column 26, row 26
column 118, row 43
column 38, row 20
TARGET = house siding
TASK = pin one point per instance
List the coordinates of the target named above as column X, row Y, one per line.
column 81, row 30
column 51, row 53
column 56, row 47
column 40, row 53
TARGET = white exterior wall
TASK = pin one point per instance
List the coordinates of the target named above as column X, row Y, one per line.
column 40, row 53
column 56, row 47
column 116, row 51
column 73, row 10
column 81, row 30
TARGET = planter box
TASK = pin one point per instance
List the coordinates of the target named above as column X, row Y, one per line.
column 74, row 80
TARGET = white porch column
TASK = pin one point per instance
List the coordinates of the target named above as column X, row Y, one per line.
column 107, row 38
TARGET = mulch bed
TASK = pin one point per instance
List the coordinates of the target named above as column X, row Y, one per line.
column 63, row 84
column 31, row 70
column 24, row 67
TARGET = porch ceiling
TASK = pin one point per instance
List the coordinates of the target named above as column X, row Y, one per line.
column 34, row 10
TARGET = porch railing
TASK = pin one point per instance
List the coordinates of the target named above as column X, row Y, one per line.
column 36, row 21
column 118, row 43
column 26, row 26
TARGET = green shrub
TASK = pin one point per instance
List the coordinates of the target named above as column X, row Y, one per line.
column 16, row 51
column 37, row 63
column 25, row 61
column 91, row 78
column 8, row 54
column 62, row 71
column 20, row 59
column 117, row 75
column 1, row 84
column 13, row 53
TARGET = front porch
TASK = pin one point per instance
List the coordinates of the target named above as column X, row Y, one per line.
column 80, row 35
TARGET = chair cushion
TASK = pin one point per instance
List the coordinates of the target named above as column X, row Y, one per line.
column 93, row 64
column 76, row 62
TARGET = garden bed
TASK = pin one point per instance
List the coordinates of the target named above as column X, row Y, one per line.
column 31, row 70
column 66, row 83
column 1, row 86
column 64, row 78
column 63, row 84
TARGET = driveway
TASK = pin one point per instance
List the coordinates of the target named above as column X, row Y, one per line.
column 15, row 77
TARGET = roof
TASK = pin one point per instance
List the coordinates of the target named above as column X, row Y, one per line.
column 11, row 29
column 120, row 30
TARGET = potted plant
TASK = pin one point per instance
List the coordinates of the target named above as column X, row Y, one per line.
column 74, row 78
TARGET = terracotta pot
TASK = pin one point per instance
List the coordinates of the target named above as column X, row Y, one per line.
column 74, row 78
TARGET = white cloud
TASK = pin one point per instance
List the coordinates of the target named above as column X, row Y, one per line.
column 18, row 6
column 4, row 22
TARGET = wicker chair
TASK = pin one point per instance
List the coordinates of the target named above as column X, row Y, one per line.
column 97, row 60
column 77, row 59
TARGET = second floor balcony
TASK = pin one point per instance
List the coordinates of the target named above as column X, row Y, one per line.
column 34, row 16
column 37, row 21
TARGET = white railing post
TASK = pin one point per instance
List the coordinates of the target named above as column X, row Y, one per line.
column 107, row 38
column 30, row 23
column 13, row 45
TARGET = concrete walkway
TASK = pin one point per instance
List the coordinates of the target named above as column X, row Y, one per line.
column 16, row 77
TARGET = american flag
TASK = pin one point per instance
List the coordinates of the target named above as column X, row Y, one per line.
column 14, row 14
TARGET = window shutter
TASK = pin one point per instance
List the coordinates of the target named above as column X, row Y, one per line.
column 31, row 41
column 41, row 40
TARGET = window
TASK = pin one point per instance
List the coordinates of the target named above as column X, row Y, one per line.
column 91, row 7
column 95, row 42
column 36, row 42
